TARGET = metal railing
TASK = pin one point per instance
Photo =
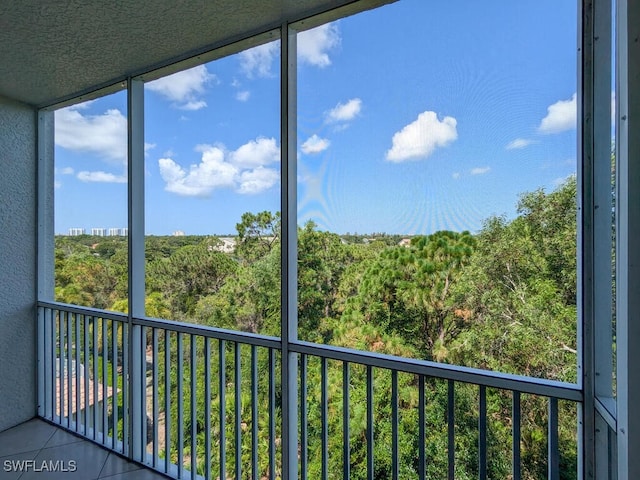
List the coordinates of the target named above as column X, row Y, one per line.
column 404, row 389
column 82, row 383
column 211, row 402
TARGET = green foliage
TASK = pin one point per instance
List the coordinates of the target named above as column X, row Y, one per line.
column 84, row 277
column 257, row 234
column 407, row 290
column 190, row 273
column 503, row 299
column 520, row 291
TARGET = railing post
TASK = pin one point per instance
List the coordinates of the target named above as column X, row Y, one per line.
column 133, row 360
column 585, row 239
column 288, row 261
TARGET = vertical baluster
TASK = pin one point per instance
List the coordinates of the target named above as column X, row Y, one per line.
column 394, row 425
column 69, row 371
column 272, row 413
column 207, row 407
column 94, row 351
column 62, row 368
column 85, row 361
column 482, row 430
column 143, row 391
column 451, row 429
column 77, row 385
column 304, row 441
column 254, row 413
column 42, row 362
column 222, row 410
column 167, row 400
column 324, row 408
column 346, row 448
column 105, row 396
column 238, row 406
column 154, row 386
column 516, row 436
column 370, row 425
column 194, row 418
column 114, row 381
column 51, row 334
column 127, row 443
column 180, row 391
column 422, row 466
column 554, row 453
column 46, row 362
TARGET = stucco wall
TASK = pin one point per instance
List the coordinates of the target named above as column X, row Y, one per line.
column 17, row 263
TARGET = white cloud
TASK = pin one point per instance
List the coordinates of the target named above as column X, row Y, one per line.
column 101, row 177
column 344, row 112
column 243, row 96
column 456, row 175
column 257, row 60
column 420, row 138
column 257, row 180
column 193, row 105
column 243, row 170
column 480, row 170
column 561, row 116
column 65, row 171
column 211, row 173
column 315, row 144
column 255, row 153
column 102, row 135
column 313, row 48
column 519, row 143
column 184, row 89
column 314, row 45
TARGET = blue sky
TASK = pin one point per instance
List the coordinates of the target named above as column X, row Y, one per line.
column 415, row 117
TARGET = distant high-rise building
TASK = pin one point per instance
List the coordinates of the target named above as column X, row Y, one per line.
column 74, row 232
column 99, row 232
column 118, row 232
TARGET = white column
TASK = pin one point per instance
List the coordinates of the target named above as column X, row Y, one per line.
column 289, row 254
column 45, row 273
column 135, row 169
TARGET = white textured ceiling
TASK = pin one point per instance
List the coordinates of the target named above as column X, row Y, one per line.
column 53, row 49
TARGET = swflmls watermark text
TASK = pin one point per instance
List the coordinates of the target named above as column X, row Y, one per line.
column 40, row 466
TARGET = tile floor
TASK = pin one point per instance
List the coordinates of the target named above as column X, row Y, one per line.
column 48, row 445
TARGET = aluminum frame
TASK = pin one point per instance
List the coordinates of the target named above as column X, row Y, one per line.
column 592, row 390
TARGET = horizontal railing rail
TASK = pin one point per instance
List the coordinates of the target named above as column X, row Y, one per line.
column 487, row 378
column 182, row 327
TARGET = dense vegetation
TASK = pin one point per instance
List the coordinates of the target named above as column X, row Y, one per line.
column 502, row 299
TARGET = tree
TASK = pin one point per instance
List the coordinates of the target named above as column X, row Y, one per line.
column 407, row 291
column 190, row 273
column 519, row 290
column 257, row 234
